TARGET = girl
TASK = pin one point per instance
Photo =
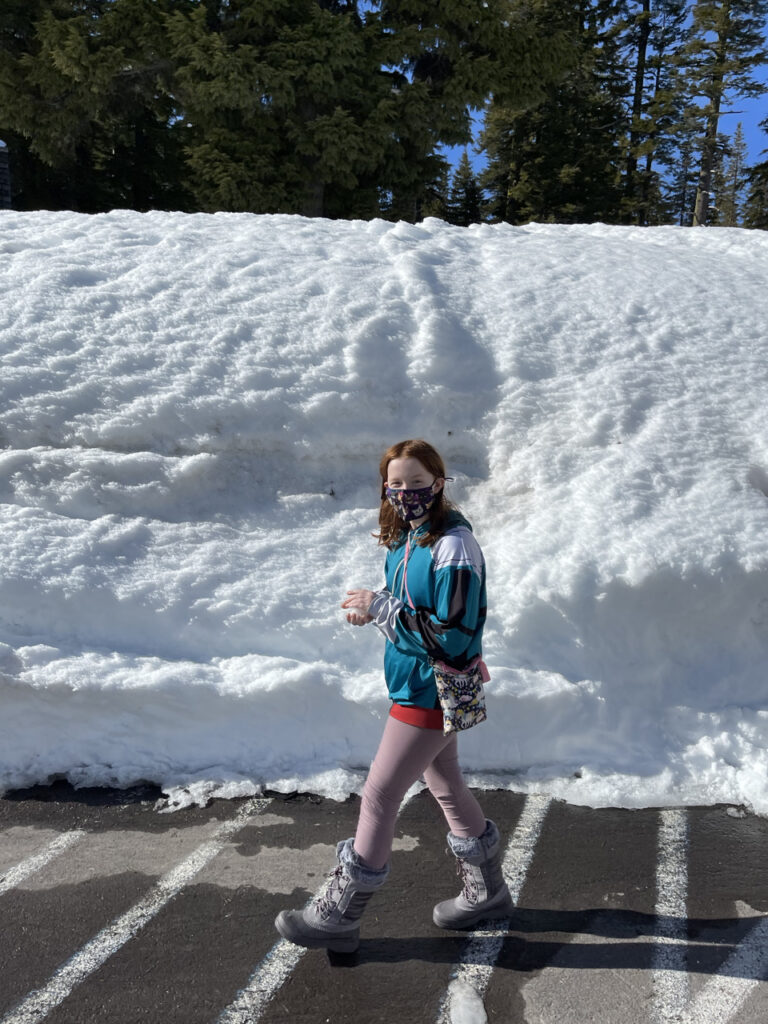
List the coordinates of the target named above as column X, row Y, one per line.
column 433, row 607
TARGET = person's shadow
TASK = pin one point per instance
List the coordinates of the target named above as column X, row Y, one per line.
column 631, row 946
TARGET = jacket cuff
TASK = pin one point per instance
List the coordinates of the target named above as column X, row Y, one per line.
column 385, row 608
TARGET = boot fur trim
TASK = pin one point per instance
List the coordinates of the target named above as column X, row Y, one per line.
column 473, row 848
column 370, row 878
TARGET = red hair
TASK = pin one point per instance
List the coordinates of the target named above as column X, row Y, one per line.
column 391, row 526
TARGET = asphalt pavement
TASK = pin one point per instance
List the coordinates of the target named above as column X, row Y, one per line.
column 113, row 911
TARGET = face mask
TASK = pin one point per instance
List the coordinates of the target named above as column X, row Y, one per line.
column 411, row 504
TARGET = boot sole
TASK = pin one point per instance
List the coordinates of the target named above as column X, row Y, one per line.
column 316, row 940
column 466, row 921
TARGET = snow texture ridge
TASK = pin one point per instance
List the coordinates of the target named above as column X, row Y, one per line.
column 193, row 410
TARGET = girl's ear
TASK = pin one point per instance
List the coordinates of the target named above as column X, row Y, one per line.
column 439, row 480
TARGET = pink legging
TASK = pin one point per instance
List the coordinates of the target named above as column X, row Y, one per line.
column 407, row 752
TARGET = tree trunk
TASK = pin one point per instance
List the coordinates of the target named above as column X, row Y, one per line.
column 313, row 204
column 5, row 178
column 708, row 151
column 644, row 20
column 314, row 200
column 709, row 148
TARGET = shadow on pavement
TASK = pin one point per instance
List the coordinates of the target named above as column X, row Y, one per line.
column 62, row 792
column 715, row 940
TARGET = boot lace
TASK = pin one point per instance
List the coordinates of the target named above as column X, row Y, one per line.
column 470, row 890
column 326, row 904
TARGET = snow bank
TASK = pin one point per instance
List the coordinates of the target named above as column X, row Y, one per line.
column 193, row 409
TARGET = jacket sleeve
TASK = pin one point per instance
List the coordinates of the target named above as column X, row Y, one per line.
column 445, row 631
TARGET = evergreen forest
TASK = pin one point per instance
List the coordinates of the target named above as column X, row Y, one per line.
column 588, row 110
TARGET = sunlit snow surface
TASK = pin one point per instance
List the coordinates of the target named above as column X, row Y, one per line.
column 192, row 413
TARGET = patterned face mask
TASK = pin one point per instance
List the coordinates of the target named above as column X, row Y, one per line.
column 411, row 504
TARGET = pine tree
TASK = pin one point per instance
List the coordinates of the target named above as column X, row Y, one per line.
column 5, row 178
column 450, row 55
column 465, row 196
column 730, row 179
column 17, row 19
column 756, row 203
column 84, row 93
column 436, row 198
column 34, row 182
column 321, row 107
column 680, row 186
column 277, row 95
column 639, row 37
column 329, row 107
column 653, row 35
column 560, row 159
column 726, row 44
column 720, row 210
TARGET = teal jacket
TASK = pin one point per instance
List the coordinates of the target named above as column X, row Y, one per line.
column 435, row 608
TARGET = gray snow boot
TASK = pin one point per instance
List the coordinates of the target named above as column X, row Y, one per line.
column 485, row 893
column 331, row 921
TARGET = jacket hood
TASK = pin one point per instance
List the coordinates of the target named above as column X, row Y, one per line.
column 455, row 518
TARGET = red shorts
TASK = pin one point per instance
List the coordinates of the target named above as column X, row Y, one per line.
column 425, row 718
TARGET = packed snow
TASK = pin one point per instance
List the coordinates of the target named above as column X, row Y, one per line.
column 193, row 410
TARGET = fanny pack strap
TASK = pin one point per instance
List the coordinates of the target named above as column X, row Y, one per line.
column 477, row 662
column 405, row 571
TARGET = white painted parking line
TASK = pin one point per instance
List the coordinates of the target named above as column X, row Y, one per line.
column 271, row 974
column 16, row 875
column 671, row 988
column 276, row 967
column 726, row 992
column 482, row 950
column 39, row 1004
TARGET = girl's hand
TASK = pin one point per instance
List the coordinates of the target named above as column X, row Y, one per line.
column 358, row 601
column 356, row 619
